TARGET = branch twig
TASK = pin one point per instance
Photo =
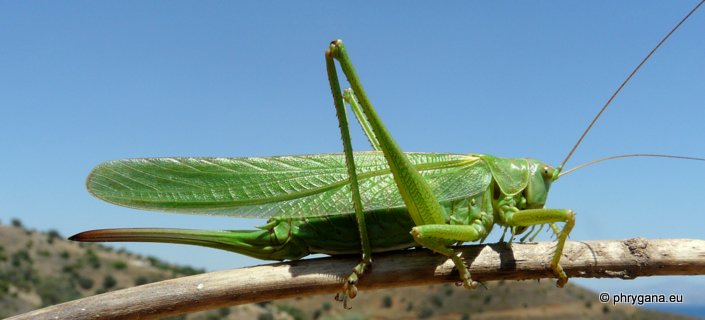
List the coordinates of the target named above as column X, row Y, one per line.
column 625, row 259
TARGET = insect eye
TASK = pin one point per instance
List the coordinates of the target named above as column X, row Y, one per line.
column 547, row 171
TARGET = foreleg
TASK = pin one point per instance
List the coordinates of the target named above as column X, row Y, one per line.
column 525, row 218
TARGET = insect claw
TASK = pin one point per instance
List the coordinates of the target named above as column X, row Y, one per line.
column 561, row 282
column 349, row 291
column 469, row 283
column 344, row 299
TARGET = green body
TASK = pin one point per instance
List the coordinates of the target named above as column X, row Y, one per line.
column 465, row 183
column 339, row 203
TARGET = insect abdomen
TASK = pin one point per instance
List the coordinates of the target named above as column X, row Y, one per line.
column 387, row 230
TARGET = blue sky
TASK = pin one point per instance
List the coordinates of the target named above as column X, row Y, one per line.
column 96, row 81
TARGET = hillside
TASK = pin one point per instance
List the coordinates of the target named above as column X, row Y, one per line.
column 40, row 268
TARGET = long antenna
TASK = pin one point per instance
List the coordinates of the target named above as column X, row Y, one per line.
column 628, row 156
column 624, row 83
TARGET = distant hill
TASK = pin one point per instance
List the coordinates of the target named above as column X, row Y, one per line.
column 41, row 268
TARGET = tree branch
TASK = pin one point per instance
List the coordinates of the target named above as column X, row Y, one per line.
column 625, row 259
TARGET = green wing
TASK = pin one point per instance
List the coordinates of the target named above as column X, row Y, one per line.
column 287, row 186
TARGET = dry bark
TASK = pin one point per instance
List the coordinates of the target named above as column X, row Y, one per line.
column 626, row 259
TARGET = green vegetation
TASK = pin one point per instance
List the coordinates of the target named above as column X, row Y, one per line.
column 53, row 235
column 109, row 282
column 16, row 223
column 119, row 265
column 387, row 301
column 92, row 259
column 294, row 312
column 84, row 282
column 56, row 290
column 437, row 301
